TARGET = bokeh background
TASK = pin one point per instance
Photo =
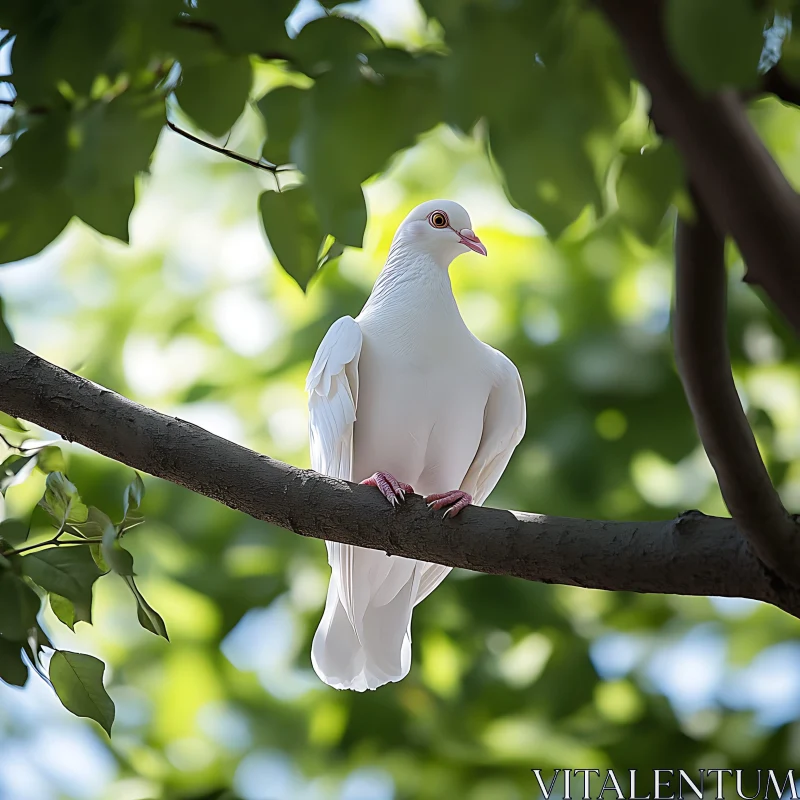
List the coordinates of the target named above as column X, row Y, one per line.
column 196, row 319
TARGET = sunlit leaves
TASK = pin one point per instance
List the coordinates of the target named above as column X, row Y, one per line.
column 11, row 423
column 78, row 681
column 62, row 501
column 717, row 42
column 213, row 93
column 68, row 570
column 50, row 459
column 63, row 608
column 11, row 468
column 293, row 230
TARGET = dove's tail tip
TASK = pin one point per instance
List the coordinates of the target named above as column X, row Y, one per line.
column 382, row 655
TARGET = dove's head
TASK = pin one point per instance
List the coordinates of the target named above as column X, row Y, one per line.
column 440, row 228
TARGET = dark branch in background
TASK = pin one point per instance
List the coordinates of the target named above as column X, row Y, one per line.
column 693, row 554
column 252, row 162
column 701, row 351
column 745, row 191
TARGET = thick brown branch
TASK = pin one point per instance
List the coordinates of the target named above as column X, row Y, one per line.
column 745, row 191
column 701, row 351
column 692, row 554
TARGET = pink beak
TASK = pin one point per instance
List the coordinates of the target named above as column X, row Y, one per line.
column 469, row 238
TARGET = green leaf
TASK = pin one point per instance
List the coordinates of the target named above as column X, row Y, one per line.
column 114, row 554
column 97, row 556
column 62, row 501
column 40, row 154
column 332, row 42
column 394, row 98
column 13, row 531
column 134, row 492
column 281, row 109
column 78, row 681
column 50, row 459
column 148, row 617
column 250, row 26
column 116, row 142
column 12, row 424
column 6, row 337
column 64, row 609
column 69, row 571
column 19, row 605
column 94, row 525
column 293, row 230
column 331, row 254
column 30, row 219
column 646, row 187
column 64, row 43
column 11, row 467
column 717, row 42
column 214, row 93
column 12, row 668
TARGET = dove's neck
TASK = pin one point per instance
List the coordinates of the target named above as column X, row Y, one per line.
column 413, row 297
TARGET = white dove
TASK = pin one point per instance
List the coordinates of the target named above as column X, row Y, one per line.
column 404, row 395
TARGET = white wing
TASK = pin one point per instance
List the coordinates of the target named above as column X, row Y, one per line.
column 332, row 385
column 503, row 429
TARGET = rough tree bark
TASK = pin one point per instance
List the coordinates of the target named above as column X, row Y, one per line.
column 755, row 555
column 693, row 554
column 701, row 351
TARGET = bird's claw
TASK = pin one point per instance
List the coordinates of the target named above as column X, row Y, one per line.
column 391, row 488
column 453, row 502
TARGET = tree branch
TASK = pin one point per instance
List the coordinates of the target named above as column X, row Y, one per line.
column 692, row 554
column 251, row 162
column 745, row 191
column 701, row 351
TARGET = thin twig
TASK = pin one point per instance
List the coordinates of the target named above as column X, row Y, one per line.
column 252, row 162
column 54, row 542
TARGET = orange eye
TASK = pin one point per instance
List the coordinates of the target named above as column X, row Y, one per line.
column 438, row 219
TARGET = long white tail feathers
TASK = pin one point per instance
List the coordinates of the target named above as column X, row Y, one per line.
column 371, row 645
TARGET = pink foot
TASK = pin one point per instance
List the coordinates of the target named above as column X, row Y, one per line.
column 456, row 500
column 391, row 488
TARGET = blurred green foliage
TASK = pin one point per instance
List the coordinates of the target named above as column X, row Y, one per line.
column 196, row 318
